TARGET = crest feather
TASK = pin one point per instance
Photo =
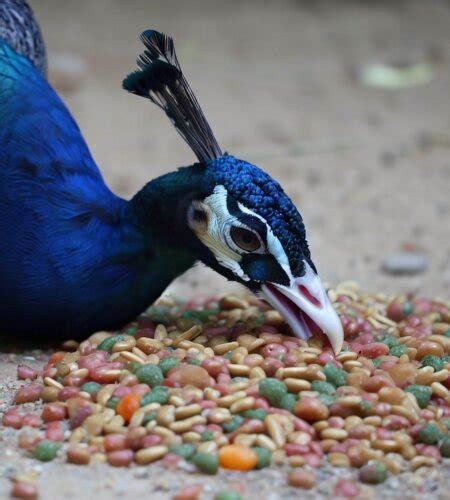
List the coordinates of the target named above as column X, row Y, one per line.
column 161, row 80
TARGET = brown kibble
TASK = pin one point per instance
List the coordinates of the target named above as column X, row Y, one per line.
column 300, row 478
column 429, row 348
column 22, row 489
column 403, row 374
column 79, row 455
column 391, row 395
column 190, row 374
column 311, row 409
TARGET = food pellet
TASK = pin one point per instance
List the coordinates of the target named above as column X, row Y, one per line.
column 223, row 384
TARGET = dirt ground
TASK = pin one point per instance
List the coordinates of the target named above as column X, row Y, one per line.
column 368, row 168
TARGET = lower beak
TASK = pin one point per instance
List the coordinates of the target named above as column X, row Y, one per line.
column 306, row 308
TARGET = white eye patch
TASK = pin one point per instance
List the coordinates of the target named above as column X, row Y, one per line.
column 214, row 232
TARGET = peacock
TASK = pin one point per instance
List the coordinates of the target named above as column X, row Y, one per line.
column 75, row 258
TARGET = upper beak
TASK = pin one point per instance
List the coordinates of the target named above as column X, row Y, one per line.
column 306, row 307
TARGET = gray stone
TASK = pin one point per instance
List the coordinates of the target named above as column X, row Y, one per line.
column 404, row 263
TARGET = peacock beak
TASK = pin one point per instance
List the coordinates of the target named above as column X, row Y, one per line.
column 306, row 308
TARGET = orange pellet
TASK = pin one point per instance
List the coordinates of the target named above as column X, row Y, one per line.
column 237, row 457
column 128, row 405
column 56, row 357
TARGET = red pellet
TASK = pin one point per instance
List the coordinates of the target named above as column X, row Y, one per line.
column 346, row 488
column 28, row 394
column 120, row 458
column 21, row 489
column 12, row 419
column 300, row 478
column 190, row 492
column 54, row 431
column 151, row 440
column 31, row 420
column 52, row 412
column 114, row 442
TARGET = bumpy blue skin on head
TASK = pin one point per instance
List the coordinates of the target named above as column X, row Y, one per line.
column 259, row 192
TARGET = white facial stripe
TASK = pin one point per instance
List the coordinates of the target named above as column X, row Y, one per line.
column 274, row 245
column 214, row 235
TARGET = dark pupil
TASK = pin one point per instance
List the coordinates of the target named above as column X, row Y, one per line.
column 245, row 239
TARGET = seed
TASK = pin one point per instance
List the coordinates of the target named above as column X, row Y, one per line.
column 337, row 434
column 151, row 454
column 275, row 430
column 222, row 349
column 422, row 461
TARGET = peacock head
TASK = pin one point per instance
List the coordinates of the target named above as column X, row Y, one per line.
column 244, row 224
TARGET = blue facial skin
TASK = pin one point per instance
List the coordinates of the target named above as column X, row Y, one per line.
column 259, row 192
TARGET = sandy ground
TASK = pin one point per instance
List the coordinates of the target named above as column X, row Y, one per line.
column 369, row 169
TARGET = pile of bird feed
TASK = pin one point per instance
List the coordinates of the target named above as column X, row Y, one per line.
column 220, row 383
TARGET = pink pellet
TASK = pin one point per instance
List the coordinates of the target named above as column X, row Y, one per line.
column 31, row 420
column 374, row 350
column 151, row 440
column 12, row 419
column 121, row 391
column 190, row 492
column 120, row 458
column 273, row 350
column 67, row 393
column 54, row 431
column 346, row 488
column 115, row 442
column 26, row 372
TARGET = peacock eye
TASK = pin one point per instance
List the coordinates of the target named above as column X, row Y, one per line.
column 245, row 239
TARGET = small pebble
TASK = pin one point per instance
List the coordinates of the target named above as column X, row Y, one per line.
column 404, row 263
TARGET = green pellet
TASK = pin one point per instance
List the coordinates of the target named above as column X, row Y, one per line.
column 365, row 406
column 273, row 390
column 258, row 414
column 91, row 387
column 108, row 343
column 228, row 495
column 322, row 387
column 444, row 447
column 407, row 308
column 46, row 450
column 194, row 361
column 334, row 375
column 112, row 402
column 186, row 450
column 430, row 434
column 132, row 366
column 150, row 374
column 264, row 457
column 233, row 424
column 446, row 422
column 422, row 393
column 288, row 401
column 159, row 394
column 434, row 361
column 207, row 436
column 389, row 340
column 447, row 334
column 206, row 462
column 398, row 350
column 148, row 418
column 167, row 364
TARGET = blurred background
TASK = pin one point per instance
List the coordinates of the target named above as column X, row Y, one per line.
column 346, row 103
